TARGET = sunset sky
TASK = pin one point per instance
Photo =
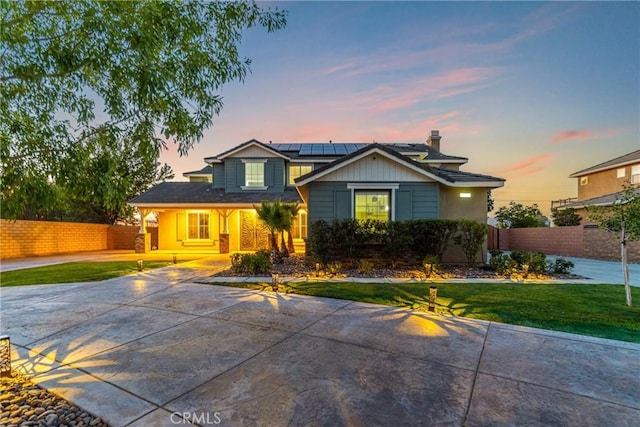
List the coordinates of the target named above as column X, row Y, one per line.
column 530, row 92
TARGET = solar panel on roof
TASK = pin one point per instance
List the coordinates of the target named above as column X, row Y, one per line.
column 305, row 149
column 329, row 149
column 340, row 149
column 295, row 147
column 316, row 149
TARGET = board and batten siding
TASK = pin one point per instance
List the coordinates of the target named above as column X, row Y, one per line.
column 332, row 200
column 254, row 152
column 372, row 168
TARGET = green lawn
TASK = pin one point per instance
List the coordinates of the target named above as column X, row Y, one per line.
column 596, row 310
column 74, row 272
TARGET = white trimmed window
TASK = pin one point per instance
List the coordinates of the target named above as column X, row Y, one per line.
column 198, row 225
column 372, row 204
column 635, row 174
column 254, row 174
column 584, row 180
column 296, row 171
column 621, row 173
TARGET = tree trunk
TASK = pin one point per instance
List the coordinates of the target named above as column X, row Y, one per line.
column 625, row 265
column 290, row 245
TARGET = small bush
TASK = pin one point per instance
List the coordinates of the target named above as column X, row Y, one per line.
column 431, row 264
column 563, row 266
column 530, row 261
column 257, row 263
column 365, row 266
column 334, row 267
column 504, row 264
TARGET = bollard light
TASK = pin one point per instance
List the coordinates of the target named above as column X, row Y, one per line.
column 140, row 266
column 433, row 293
column 317, row 269
column 175, row 258
column 5, row 356
column 274, row 281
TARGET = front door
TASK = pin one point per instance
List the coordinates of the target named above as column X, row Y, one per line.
column 254, row 234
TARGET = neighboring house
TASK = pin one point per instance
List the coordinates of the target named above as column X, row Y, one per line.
column 215, row 210
column 598, row 185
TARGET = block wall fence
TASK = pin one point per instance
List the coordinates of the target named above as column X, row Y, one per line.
column 37, row 238
column 578, row 241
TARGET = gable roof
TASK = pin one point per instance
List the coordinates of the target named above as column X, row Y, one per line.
column 202, row 194
column 447, row 177
column 238, row 148
column 205, row 171
column 624, row 160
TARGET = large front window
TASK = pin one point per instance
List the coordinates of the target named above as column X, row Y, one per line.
column 198, row 225
column 296, row 171
column 370, row 204
column 254, row 174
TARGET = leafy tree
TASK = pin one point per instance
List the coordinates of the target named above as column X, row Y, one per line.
column 490, row 201
column 470, row 236
column 519, row 216
column 146, row 73
column 565, row 217
column 623, row 219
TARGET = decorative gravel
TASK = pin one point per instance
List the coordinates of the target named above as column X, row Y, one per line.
column 23, row 403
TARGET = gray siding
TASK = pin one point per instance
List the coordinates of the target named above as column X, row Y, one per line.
column 332, row 200
column 423, row 200
column 218, row 175
column 322, row 200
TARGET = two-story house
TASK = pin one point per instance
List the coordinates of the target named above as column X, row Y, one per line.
column 215, row 209
column 598, row 185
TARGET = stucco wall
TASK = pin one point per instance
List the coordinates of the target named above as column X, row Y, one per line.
column 601, row 183
column 452, row 206
column 36, row 238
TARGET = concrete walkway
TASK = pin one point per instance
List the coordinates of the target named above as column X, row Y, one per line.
column 157, row 349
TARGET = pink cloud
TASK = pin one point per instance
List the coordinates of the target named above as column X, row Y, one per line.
column 582, row 135
column 530, row 165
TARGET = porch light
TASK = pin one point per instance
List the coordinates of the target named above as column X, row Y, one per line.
column 274, row 282
column 140, row 265
column 5, row 356
column 465, row 195
column 433, row 293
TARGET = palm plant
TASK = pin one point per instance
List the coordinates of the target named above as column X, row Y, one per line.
column 276, row 218
column 293, row 208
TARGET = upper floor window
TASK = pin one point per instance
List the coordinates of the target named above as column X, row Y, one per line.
column 621, row 173
column 372, row 205
column 584, row 180
column 635, row 174
column 254, row 173
column 296, row 171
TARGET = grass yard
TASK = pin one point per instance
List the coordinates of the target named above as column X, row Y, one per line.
column 596, row 310
column 74, row 272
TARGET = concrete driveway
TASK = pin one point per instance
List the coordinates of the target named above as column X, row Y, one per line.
column 158, row 349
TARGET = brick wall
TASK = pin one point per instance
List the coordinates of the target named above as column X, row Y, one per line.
column 36, row 238
column 575, row 241
column 600, row 244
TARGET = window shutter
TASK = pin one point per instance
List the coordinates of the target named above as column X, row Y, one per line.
column 181, row 226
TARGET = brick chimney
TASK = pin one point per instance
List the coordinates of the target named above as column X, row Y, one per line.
column 433, row 141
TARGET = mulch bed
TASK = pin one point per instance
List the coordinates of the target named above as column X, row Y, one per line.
column 295, row 266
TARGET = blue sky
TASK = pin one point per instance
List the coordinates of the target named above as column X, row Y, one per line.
column 528, row 91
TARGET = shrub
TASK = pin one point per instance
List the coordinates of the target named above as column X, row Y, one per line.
column 320, row 242
column 562, row 266
column 536, row 262
column 365, row 266
column 504, row 264
column 397, row 241
column 431, row 236
column 257, row 263
column 334, row 267
column 470, row 236
column 431, row 264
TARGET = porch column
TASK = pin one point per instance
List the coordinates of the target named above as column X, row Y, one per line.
column 143, row 239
